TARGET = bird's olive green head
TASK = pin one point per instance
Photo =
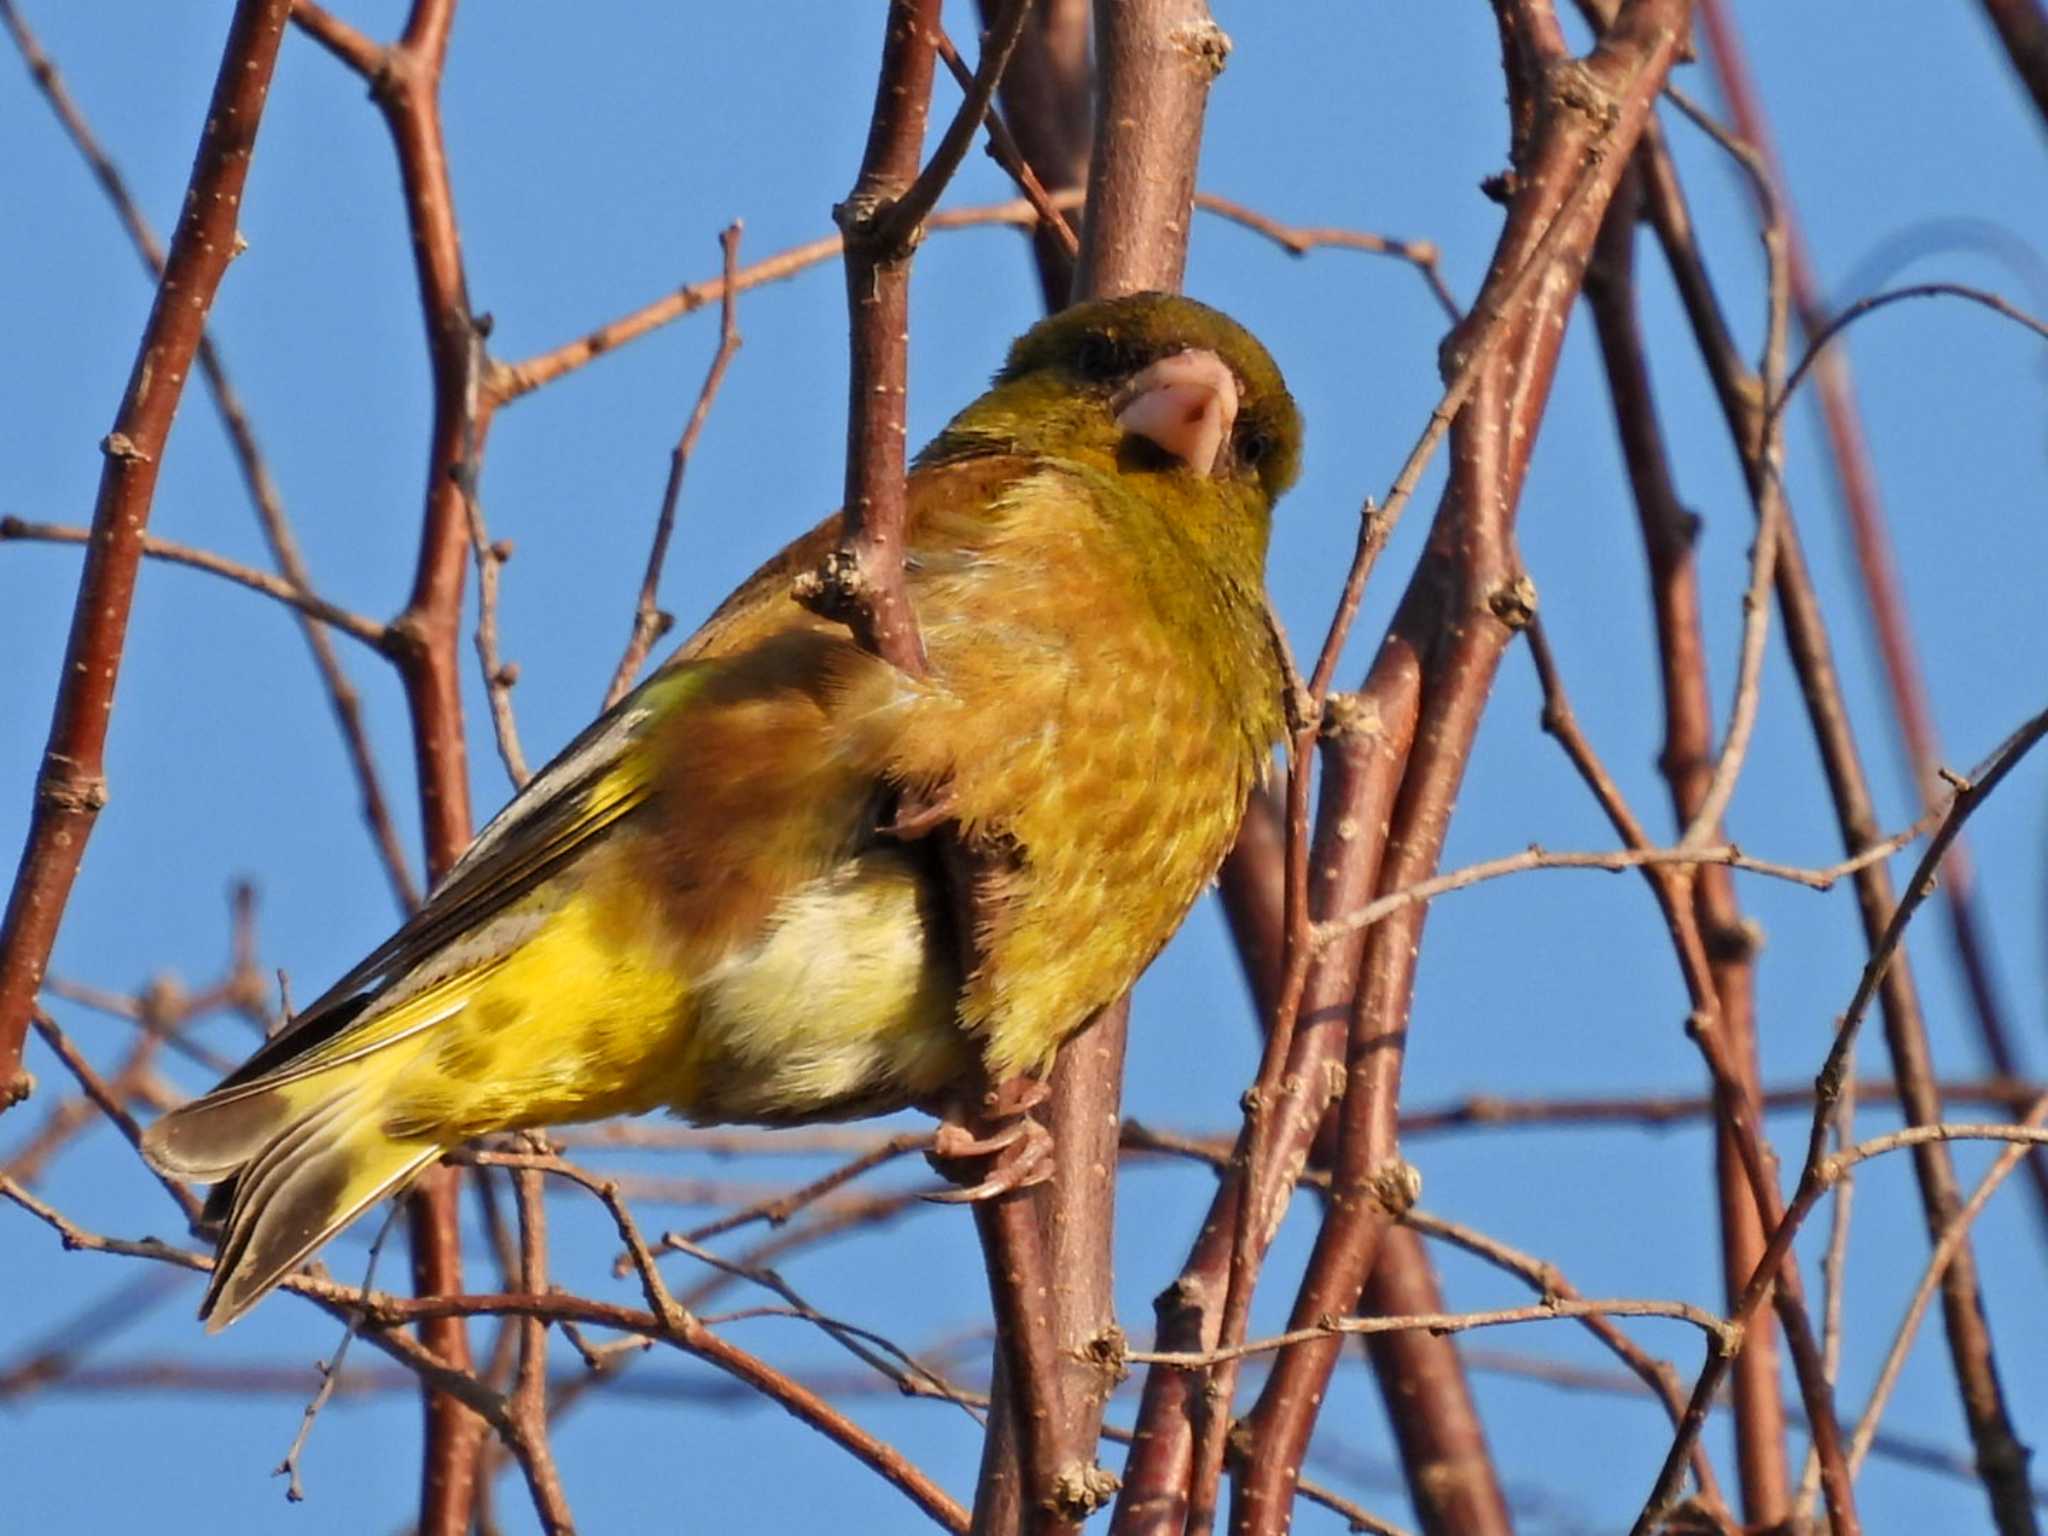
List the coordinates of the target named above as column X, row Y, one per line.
column 1099, row 383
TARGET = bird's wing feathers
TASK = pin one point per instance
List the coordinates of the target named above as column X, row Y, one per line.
column 594, row 782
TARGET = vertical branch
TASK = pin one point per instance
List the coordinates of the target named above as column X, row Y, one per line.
column 650, row 623
column 1363, row 742
column 1450, row 1474
column 1669, row 532
column 256, row 477
column 869, row 575
column 2001, row 1458
column 1156, row 60
column 405, row 82
column 527, row 1406
column 71, row 785
column 1877, row 566
column 1164, row 53
column 1038, row 1474
column 1574, row 123
column 1045, row 101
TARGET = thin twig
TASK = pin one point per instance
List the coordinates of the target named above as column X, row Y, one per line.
column 528, row 1400
column 1930, row 1281
column 109, row 1104
column 1003, row 149
column 384, row 1316
column 650, row 623
column 1727, row 855
column 1843, row 319
column 1299, row 240
column 1656, row 1375
column 264, row 493
column 330, row 1373
column 1820, row 1169
column 355, row 625
column 507, row 382
column 1438, row 1322
column 71, row 785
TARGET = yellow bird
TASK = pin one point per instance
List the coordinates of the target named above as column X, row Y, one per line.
column 703, row 905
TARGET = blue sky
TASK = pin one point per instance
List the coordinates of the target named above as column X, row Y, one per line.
column 596, row 155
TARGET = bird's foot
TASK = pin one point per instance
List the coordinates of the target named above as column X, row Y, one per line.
column 991, row 1146
column 918, row 816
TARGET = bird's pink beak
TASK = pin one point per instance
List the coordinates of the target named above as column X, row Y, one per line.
column 1186, row 404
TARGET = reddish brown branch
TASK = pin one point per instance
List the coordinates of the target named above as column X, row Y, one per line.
column 649, row 622
column 310, row 604
column 2000, row 1455
column 1669, row 533
column 1155, row 60
column 71, row 784
column 1163, row 53
column 863, row 582
column 1820, row 1170
column 263, row 490
column 897, row 225
column 382, row 1318
column 1002, row 148
column 1045, row 98
column 1443, row 1446
column 405, row 82
column 1449, row 634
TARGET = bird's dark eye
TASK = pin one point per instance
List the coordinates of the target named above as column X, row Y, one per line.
column 1252, row 449
column 1098, row 357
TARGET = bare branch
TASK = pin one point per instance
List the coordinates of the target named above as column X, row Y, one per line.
column 71, row 786
column 649, row 622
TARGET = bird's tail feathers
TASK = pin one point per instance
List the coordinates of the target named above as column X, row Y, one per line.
column 314, row 1178
column 307, row 1152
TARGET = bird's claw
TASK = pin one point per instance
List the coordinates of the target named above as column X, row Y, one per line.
column 1000, row 1135
column 919, row 816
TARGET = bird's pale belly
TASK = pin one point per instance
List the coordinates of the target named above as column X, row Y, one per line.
column 838, row 1007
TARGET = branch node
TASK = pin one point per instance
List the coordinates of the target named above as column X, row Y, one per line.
column 119, row 445
column 1207, row 44
column 1576, row 87
column 1109, row 1350
column 1514, row 602
column 1727, row 1339
column 1351, row 717
column 1396, row 1186
column 1734, row 942
column 835, row 590
column 863, row 218
column 406, row 635
column 63, row 788
column 1078, row 1491
column 1501, row 187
